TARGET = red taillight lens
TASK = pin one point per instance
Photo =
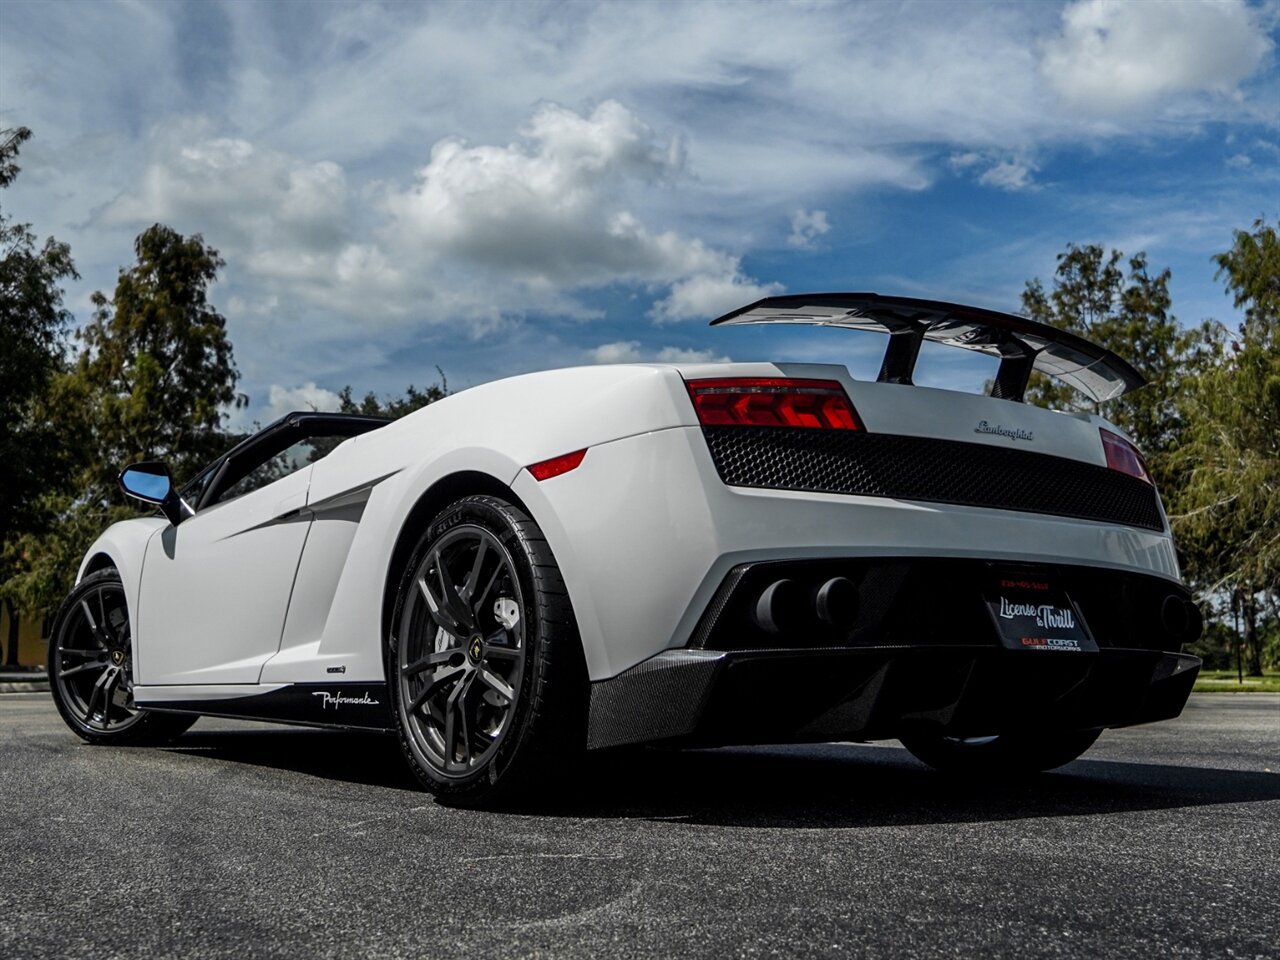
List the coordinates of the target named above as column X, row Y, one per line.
column 556, row 465
column 1124, row 456
column 773, row 402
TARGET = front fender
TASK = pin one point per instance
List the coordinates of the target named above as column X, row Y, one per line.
column 124, row 545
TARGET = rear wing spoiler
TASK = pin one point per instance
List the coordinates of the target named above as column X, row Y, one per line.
column 1022, row 345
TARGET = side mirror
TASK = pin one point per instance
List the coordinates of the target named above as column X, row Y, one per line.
column 151, row 482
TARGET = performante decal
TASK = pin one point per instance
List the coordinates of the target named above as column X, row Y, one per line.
column 1013, row 433
column 355, row 705
column 337, row 700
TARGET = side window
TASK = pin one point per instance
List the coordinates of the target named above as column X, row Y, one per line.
column 287, row 461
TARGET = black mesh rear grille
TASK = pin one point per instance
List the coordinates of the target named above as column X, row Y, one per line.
column 921, row 468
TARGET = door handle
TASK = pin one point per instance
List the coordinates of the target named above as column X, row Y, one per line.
column 290, row 506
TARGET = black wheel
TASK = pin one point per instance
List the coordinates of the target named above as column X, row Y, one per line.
column 1007, row 754
column 484, row 661
column 91, row 668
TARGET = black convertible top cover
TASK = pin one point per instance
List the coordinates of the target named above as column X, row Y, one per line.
column 1023, row 345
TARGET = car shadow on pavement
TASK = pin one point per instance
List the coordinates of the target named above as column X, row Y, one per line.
column 369, row 759
column 849, row 786
column 819, row 785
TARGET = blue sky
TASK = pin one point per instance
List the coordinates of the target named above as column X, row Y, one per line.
column 494, row 188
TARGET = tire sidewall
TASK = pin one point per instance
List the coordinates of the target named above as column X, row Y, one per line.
column 497, row 517
column 108, row 575
column 150, row 728
column 1007, row 754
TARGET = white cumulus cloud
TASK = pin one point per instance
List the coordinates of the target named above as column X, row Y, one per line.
column 287, row 224
column 710, row 295
column 283, row 400
column 1010, row 175
column 554, row 210
column 1114, row 56
column 255, row 195
column 630, row 351
column 480, row 234
column 807, row 226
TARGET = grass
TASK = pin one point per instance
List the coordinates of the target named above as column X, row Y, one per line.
column 1228, row 681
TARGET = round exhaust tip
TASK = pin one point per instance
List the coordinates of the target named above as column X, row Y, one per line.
column 779, row 608
column 837, row 603
column 1195, row 621
column 1175, row 616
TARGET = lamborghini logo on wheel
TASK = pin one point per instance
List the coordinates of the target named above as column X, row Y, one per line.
column 117, row 657
column 474, row 649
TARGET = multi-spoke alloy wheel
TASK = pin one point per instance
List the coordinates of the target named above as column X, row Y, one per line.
column 484, row 662
column 91, row 667
column 462, row 649
column 93, row 659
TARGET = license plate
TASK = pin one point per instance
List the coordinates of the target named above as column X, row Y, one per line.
column 1033, row 614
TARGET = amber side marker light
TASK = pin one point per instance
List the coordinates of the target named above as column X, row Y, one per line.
column 773, row 402
column 556, row 465
column 1124, row 456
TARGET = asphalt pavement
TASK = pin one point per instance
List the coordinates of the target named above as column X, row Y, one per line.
column 247, row 840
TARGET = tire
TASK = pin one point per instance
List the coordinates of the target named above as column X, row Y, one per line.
column 91, row 669
column 1004, row 755
column 484, row 663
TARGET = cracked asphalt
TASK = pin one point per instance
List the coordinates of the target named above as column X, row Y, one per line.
column 247, row 840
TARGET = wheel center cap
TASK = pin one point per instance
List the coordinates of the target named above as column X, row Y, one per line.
column 117, row 657
column 475, row 647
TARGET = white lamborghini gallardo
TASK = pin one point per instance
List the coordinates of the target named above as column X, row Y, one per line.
column 678, row 553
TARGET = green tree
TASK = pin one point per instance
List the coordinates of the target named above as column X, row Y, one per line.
column 1252, row 271
column 1229, row 509
column 156, row 360
column 32, row 325
column 1129, row 314
column 394, row 407
column 152, row 380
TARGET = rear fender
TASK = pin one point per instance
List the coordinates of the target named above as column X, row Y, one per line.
column 351, row 630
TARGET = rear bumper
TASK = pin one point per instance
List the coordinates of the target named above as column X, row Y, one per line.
column 645, row 532
column 711, row 697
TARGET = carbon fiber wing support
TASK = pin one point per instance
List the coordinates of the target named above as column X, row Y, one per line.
column 1022, row 345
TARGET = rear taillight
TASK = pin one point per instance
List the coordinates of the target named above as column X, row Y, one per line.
column 773, row 402
column 1124, row 456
